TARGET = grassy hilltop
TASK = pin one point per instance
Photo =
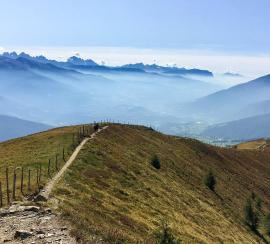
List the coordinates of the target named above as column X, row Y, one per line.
column 112, row 191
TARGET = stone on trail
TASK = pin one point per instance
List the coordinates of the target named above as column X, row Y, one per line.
column 22, row 234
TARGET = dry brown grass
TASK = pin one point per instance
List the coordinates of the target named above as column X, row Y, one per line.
column 112, row 190
column 256, row 144
column 34, row 151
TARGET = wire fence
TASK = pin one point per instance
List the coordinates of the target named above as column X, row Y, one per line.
column 24, row 182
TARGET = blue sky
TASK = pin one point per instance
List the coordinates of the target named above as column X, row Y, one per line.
column 231, row 27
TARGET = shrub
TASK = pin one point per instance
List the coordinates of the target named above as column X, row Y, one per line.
column 164, row 235
column 258, row 203
column 266, row 224
column 155, row 162
column 210, row 181
column 251, row 214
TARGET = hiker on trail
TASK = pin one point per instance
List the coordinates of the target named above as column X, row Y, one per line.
column 96, row 126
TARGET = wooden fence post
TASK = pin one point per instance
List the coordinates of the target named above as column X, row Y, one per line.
column 29, row 180
column 22, row 181
column 1, row 195
column 78, row 137
column 63, row 154
column 14, row 185
column 7, row 184
column 49, row 168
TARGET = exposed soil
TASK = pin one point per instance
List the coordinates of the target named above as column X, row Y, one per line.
column 32, row 224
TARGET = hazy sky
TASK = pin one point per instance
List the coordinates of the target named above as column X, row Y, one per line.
column 234, row 28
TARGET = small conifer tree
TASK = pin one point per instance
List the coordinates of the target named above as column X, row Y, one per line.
column 266, row 224
column 251, row 211
column 155, row 162
column 210, row 180
column 164, row 235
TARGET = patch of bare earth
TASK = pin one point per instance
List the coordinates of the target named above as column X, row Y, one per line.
column 32, row 224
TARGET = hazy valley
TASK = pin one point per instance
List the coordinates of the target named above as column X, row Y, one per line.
column 174, row 100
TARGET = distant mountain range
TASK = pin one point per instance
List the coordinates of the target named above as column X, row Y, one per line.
column 76, row 62
column 177, row 100
column 168, row 70
column 41, row 59
column 79, row 91
column 244, row 129
column 229, row 74
column 244, row 100
column 11, row 127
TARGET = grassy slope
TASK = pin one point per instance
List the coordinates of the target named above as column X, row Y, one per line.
column 33, row 150
column 112, row 190
column 256, row 144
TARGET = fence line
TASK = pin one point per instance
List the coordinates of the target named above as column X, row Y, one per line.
column 15, row 185
column 31, row 178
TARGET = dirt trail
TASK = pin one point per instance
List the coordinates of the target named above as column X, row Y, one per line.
column 31, row 224
column 45, row 193
column 263, row 146
column 35, row 225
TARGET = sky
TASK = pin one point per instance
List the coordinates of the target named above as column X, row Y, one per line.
column 231, row 35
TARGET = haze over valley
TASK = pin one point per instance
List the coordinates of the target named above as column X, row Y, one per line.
column 174, row 100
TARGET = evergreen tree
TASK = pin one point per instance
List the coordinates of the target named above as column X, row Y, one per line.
column 155, row 162
column 210, row 180
column 165, row 236
column 267, row 224
column 251, row 212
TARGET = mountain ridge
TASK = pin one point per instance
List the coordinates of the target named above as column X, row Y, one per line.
column 226, row 104
column 76, row 61
column 244, row 129
column 12, row 127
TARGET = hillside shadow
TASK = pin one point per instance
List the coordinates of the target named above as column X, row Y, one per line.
column 261, row 236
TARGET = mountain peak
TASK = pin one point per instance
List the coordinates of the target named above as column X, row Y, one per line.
column 12, row 55
column 79, row 61
column 173, row 70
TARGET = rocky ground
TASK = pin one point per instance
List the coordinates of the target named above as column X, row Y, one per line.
column 32, row 225
column 35, row 225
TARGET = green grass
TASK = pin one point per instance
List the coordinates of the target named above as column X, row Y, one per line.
column 31, row 153
column 114, row 192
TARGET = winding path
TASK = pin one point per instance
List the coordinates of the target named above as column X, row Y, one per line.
column 45, row 193
column 26, row 224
